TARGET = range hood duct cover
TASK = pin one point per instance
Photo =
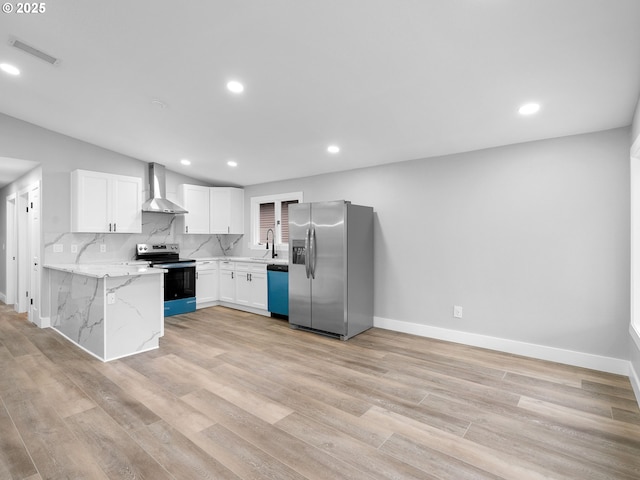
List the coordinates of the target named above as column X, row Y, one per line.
column 158, row 202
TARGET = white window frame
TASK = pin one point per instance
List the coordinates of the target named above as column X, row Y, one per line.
column 254, row 242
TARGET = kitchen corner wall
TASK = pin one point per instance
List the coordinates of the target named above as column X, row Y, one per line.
column 58, row 155
column 532, row 240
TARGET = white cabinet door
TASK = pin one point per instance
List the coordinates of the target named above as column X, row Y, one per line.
column 103, row 203
column 227, row 286
column 251, row 285
column 243, row 289
column 259, row 294
column 127, row 204
column 89, row 201
column 227, row 210
column 206, row 283
column 195, row 199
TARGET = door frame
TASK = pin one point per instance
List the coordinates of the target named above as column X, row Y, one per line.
column 11, row 277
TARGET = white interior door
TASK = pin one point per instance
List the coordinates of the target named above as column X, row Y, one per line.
column 11, row 280
column 23, row 250
column 34, row 234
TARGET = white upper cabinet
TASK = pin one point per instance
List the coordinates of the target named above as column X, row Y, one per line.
column 105, row 203
column 227, row 210
column 195, row 199
column 211, row 209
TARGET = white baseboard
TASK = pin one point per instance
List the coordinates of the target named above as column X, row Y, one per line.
column 568, row 357
column 45, row 322
column 635, row 381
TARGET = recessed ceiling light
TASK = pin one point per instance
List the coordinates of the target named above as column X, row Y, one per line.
column 529, row 108
column 333, row 149
column 158, row 104
column 10, row 69
column 232, row 163
column 235, row 86
column 185, row 161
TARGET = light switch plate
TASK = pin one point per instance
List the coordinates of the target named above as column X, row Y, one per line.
column 58, row 248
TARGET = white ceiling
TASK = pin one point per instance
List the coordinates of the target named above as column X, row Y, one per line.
column 387, row 80
column 13, row 168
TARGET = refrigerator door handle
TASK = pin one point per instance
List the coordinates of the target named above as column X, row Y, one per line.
column 306, row 252
column 313, row 253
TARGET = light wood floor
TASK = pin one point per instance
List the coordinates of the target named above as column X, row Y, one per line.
column 230, row 395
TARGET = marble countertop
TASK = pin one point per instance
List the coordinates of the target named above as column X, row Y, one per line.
column 278, row 261
column 100, row 271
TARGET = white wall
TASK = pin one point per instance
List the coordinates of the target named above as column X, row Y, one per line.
column 531, row 239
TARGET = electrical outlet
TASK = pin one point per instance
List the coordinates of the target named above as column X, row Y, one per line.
column 457, row 311
column 103, row 248
column 58, row 248
column 74, row 248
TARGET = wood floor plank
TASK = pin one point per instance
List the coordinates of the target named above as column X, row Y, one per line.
column 234, row 395
column 55, row 451
column 485, row 458
column 117, row 453
column 15, row 462
column 438, row 464
column 242, row 457
column 352, row 425
column 65, row 396
column 178, row 455
column 125, row 409
column 343, row 447
column 161, row 402
column 244, row 398
column 298, row 455
column 539, row 429
column 537, row 452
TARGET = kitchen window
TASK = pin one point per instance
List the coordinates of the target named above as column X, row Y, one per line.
column 271, row 212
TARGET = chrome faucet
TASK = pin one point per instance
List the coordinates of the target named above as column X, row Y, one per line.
column 273, row 243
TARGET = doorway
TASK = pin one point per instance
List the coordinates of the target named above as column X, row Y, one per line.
column 23, row 252
column 11, row 252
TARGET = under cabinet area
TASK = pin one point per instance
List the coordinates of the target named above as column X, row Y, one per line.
column 105, row 203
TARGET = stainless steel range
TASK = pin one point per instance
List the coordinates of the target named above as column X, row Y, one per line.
column 179, row 279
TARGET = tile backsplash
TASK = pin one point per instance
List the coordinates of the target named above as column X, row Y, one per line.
column 120, row 247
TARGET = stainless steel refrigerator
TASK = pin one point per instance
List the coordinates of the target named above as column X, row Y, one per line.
column 331, row 268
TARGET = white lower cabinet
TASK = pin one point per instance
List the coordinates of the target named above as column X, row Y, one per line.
column 227, row 282
column 236, row 284
column 251, row 285
column 206, row 283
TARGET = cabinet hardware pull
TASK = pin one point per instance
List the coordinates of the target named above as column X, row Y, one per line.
column 114, row 228
column 187, row 229
column 109, row 227
column 232, row 275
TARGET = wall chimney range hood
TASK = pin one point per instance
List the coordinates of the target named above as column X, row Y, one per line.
column 158, row 202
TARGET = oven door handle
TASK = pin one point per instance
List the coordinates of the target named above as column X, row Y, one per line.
column 175, row 265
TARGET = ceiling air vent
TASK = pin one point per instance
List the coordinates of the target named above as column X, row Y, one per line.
column 34, row 51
